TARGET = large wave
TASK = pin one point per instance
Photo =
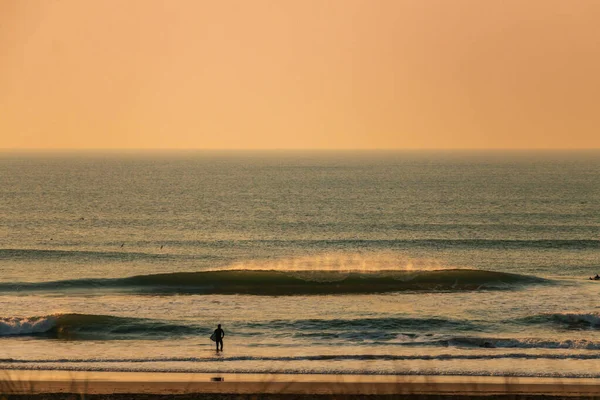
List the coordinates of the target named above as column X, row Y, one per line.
column 279, row 283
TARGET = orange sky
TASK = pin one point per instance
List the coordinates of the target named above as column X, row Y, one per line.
column 300, row 74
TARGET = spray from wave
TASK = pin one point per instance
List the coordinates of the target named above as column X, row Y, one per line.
column 343, row 262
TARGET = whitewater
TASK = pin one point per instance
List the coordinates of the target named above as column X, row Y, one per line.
column 461, row 263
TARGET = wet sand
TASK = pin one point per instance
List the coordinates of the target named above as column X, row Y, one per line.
column 133, row 385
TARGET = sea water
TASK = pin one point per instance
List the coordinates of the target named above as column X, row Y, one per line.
column 314, row 262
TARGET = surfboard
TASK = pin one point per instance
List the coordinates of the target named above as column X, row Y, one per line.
column 213, row 337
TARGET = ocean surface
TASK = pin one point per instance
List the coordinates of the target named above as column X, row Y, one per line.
column 461, row 262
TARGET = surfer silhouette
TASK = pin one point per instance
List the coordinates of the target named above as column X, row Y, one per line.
column 217, row 337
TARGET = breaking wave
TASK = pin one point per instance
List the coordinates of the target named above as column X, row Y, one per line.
column 405, row 332
column 89, row 326
column 279, row 283
column 519, row 343
column 86, row 326
column 568, row 320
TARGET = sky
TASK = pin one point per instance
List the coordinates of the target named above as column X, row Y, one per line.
column 299, row 74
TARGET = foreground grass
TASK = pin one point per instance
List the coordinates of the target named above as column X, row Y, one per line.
column 11, row 389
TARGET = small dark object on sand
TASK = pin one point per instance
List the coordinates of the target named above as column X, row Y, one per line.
column 217, row 379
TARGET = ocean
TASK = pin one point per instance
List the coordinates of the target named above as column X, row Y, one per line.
column 373, row 262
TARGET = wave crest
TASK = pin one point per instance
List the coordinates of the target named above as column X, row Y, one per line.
column 87, row 326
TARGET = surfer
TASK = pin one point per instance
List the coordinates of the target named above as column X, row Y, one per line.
column 217, row 336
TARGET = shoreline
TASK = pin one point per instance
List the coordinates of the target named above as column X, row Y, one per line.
column 49, row 384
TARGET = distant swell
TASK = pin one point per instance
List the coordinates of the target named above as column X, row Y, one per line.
column 84, row 326
column 392, row 244
column 278, row 283
column 42, row 254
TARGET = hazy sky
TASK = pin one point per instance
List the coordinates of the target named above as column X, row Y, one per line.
column 300, row 74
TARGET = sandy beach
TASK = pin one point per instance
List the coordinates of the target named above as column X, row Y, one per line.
column 106, row 385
